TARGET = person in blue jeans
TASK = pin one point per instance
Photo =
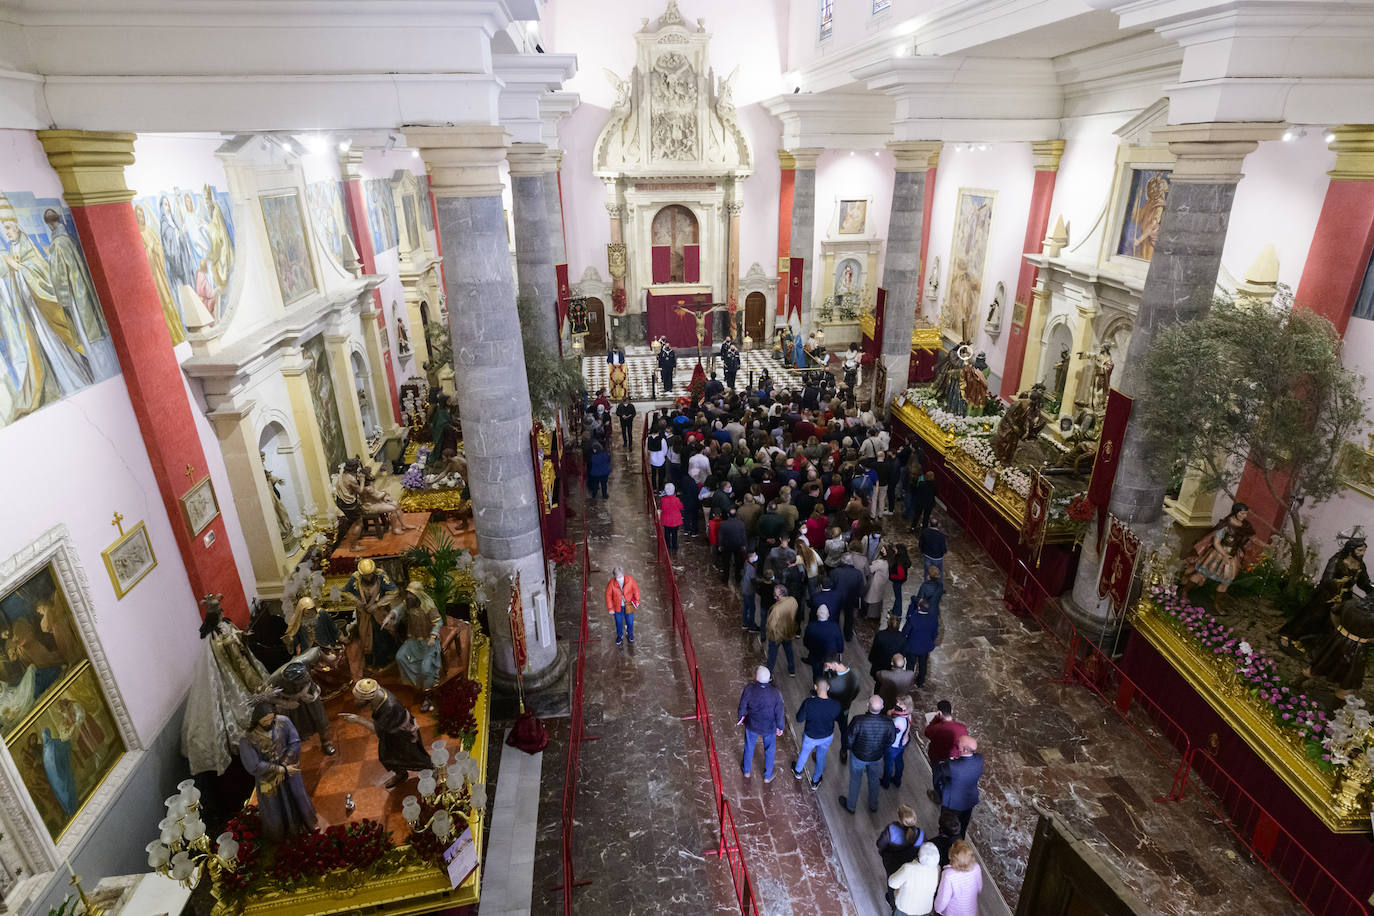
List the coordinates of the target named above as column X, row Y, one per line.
column 760, row 712
column 598, row 470
column 894, row 758
column 869, row 737
column 818, row 713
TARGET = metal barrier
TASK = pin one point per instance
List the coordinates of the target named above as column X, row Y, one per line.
column 728, row 847
column 576, row 727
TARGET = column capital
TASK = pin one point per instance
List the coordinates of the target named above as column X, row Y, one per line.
column 806, row 157
column 915, row 155
column 1354, row 149
column 1047, row 154
column 90, row 164
column 786, row 160
column 555, row 160
column 1212, row 153
column 527, row 160
column 465, row 158
column 351, row 164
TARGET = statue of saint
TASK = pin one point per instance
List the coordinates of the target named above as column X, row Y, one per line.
column 1342, row 656
column 1102, row 378
column 1344, row 572
column 1061, row 373
column 285, row 529
column 373, row 594
column 1218, row 553
column 354, row 491
column 271, row 752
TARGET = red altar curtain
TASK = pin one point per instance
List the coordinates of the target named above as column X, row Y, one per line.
column 661, row 257
column 560, row 271
column 1108, row 456
column 691, row 263
column 874, row 347
column 794, row 283
column 681, row 330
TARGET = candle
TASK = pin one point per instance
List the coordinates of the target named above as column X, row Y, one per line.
column 71, row 870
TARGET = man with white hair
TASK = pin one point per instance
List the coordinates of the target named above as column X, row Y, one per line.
column 622, row 600
column 760, row 712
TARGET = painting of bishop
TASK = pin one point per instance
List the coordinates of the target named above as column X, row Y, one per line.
column 188, row 237
column 53, row 337
column 960, row 317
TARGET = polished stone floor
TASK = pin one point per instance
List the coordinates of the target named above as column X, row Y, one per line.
column 644, row 812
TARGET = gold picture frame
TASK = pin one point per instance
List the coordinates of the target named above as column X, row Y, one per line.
column 196, row 509
column 129, row 559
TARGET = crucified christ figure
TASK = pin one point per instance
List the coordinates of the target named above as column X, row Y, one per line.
column 701, row 323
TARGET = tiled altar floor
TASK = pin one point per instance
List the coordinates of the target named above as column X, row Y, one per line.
column 644, row 810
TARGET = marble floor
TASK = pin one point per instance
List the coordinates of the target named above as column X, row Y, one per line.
column 644, row 812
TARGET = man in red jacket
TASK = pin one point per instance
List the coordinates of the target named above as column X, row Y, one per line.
column 943, row 733
column 622, row 600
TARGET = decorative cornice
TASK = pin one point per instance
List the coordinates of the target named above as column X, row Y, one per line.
column 527, row 160
column 351, row 164
column 1213, row 153
column 90, row 164
column 786, row 160
column 1354, row 149
column 465, row 158
column 806, row 157
column 1047, row 154
column 916, row 155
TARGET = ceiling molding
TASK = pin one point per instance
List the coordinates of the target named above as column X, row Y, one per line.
column 833, row 120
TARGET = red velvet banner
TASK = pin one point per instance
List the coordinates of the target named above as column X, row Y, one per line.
column 564, row 291
column 879, row 310
column 661, row 259
column 517, row 627
column 1037, row 515
column 1108, row 455
column 691, row 263
column 1118, row 565
column 794, row 285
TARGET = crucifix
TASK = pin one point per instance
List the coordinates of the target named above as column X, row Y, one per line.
column 118, row 523
column 190, row 472
column 701, row 323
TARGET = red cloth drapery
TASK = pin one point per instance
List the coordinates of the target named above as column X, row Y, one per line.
column 691, row 263
column 661, row 259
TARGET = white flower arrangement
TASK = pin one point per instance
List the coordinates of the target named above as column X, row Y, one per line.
column 1018, row 480
column 924, row 399
column 1350, row 734
column 977, row 449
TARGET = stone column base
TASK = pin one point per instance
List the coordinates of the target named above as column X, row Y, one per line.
column 1090, row 626
column 504, row 683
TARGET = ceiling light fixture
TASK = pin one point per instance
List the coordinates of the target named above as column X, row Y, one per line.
column 1329, row 138
column 345, row 145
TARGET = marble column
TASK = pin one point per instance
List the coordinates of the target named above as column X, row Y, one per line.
column 902, row 267
column 803, row 238
column 533, row 259
column 1178, row 288
column 553, row 206
column 1023, row 349
column 90, row 166
column 490, row 378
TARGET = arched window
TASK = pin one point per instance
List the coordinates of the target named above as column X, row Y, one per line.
column 676, row 227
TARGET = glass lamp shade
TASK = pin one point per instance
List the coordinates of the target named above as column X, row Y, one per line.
column 158, row 854
column 427, row 785
column 479, row 797
column 410, row 809
column 170, row 825
column 227, row 848
column 438, row 754
column 455, row 774
column 189, row 793
column 442, row 825
column 176, row 805
column 194, row 829
column 182, row 866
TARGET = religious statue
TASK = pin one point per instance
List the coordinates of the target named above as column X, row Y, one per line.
column 285, row 529
column 700, row 317
column 993, row 322
column 226, row 678
column 948, row 384
column 294, row 693
column 618, row 374
column 1218, row 553
column 974, row 388
column 1023, row 420
column 1344, row 572
column 1061, row 374
column 418, row 661
column 1102, row 378
column 1342, row 656
column 357, row 497
column 314, row 638
column 271, row 752
column 399, row 746
column 1081, row 438
column 373, row 595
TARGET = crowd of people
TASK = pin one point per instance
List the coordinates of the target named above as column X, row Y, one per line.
column 791, row 490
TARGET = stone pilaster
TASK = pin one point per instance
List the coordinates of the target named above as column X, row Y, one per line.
column 902, row 267
column 490, row 378
column 553, row 206
column 1178, row 288
column 803, row 240
column 346, row 388
column 533, row 259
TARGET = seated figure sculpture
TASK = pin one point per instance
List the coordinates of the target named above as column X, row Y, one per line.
column 358, row 500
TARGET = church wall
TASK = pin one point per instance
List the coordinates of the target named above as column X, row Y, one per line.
column 587, row 228
column 383, row 164
column 1084, row 182
column 1006, row 168
column 759, row 220
column 851, row 175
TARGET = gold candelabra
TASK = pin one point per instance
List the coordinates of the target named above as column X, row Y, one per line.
column 182, row 850
column 441, row 788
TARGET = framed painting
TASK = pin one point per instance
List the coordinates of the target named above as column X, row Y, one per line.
column 286, row 240
column 66, row 748
column 322, row 392
column 412, row 221
column 39, row 645
column 960, row 317
column 327, row 216
column 1144, row 213
column 853, row 217
column 199, row 506
column 130, row 558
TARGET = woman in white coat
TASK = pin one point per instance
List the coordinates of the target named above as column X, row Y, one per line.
column 875, row 597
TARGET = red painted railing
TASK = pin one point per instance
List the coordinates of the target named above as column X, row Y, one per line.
column 576, row 727
column 728, row 846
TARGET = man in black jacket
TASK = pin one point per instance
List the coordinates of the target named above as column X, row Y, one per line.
column 869, row 736
column 886, row 644
column 844, row 686
column 731, row 540
column 626, row 412
column 933, row 547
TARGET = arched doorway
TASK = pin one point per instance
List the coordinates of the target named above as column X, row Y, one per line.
column 595, row 341
column 755, row 316
column 276, row 452
column 361, row 376
column 676, row 227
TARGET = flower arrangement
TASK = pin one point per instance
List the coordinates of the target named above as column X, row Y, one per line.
column 563, row 553
column 1350, row 736
column 1257, row 671
column 354, row 846
column 455, row 705
column 1017, row 479
column 1080, row 509
column 414, row 477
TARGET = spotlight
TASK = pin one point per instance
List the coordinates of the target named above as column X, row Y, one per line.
column 345, row 145
column 317, row 143
column 1289, row 136
column 851, row 152
column 415, row 154
column 1329, row 138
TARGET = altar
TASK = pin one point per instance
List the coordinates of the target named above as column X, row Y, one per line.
column 661, row 311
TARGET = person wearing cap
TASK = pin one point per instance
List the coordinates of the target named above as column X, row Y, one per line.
column 399, row 746
column 761, row 714
column 373, row 595
column 622, row 600
column 418, row 661
column 295, row 694
column 271, row 752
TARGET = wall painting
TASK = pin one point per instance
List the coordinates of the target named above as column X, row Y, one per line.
column 853, row 217
column 325, row 199
column 286, row 241
column 381, row 214
column 56, row 723
column 961, row 315
column 326, row 404
column 188, row 237
column 412, row 223
column 53, row 337
column 1144, row 213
